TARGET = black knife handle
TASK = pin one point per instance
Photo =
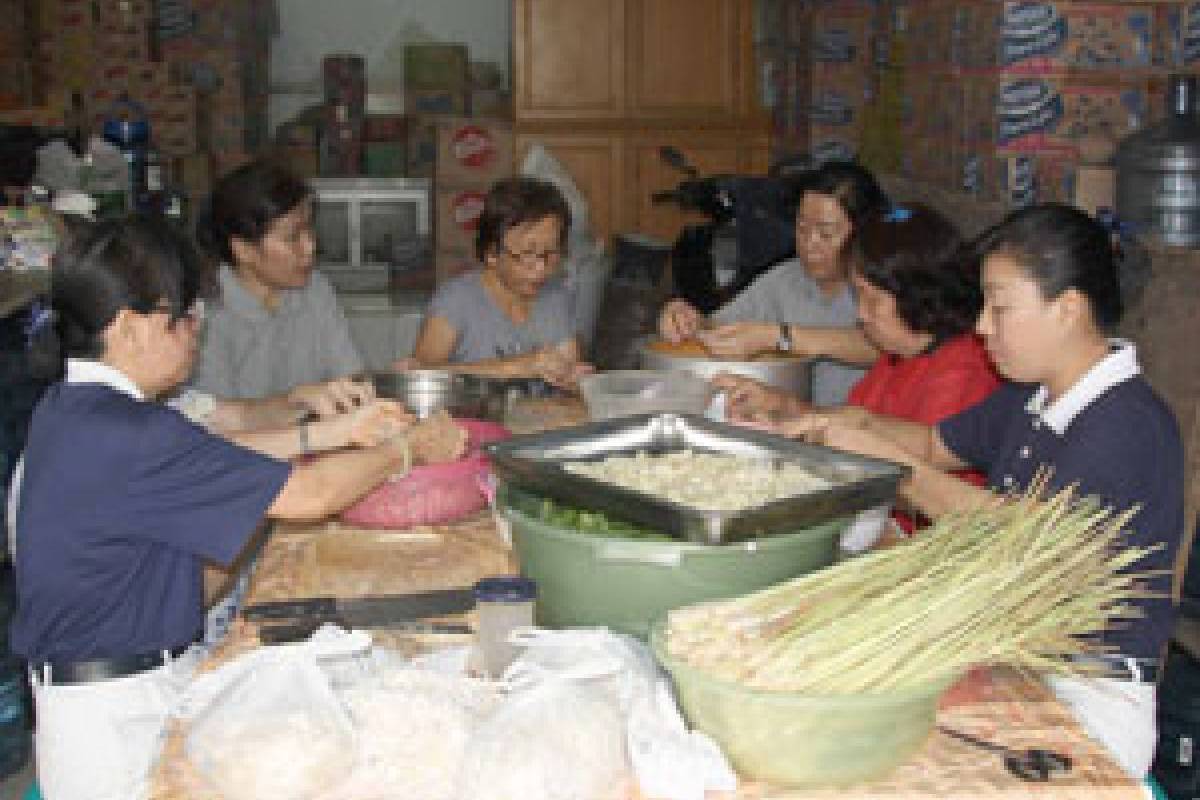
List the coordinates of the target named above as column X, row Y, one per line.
column 291, row 609
column 288, row 632
column 300, row 631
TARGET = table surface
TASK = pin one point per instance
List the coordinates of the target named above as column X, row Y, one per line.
column 998, row 705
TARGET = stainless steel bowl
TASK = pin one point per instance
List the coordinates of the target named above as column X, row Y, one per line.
column 793, row 375
column 427, row 391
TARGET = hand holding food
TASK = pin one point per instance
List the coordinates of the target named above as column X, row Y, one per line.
column 740, row 339
column 558, row 366
column 751, row 400
column 678, row 320
column 374, row 423
column 436, row 440
column 332, row 397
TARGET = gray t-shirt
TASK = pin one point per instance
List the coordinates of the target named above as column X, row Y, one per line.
column 248, row 352
column 786, row 293
column 485, row 331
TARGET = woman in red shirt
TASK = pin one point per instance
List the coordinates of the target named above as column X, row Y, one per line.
column 918, row 298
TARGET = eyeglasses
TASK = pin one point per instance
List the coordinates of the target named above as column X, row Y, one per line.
column 531, row 258
column 824, row 231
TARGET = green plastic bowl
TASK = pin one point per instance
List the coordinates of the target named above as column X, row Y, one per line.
column 588, row 580
column 792, row 739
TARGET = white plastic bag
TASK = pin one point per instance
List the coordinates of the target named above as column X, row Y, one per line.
column 557, row 740
column 278, row 731
column 566, row 677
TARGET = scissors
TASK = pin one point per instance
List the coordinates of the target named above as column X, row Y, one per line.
column 1033, row 764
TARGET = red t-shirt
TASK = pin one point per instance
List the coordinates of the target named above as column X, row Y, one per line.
column 928, row 388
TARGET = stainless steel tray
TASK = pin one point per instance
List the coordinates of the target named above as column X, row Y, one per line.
column 534, row 463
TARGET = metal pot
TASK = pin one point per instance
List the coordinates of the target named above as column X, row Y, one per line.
column 793, row 375
column 427, row 391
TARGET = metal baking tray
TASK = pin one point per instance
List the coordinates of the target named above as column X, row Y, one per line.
column 534, row 463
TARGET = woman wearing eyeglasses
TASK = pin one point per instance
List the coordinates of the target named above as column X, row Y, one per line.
column 804, row 305
column 512, row 318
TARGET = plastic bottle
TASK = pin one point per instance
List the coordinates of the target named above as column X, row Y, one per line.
column 504, row 602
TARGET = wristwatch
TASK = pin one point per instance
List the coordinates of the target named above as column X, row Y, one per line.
column 784, row 343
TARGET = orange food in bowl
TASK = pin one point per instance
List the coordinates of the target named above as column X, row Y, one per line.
column 688, row 348
column 694, row 348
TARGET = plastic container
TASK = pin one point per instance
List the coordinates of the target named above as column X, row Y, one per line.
column 791, row 739
column 435, row 494
column 503, row 603
column 585, row 579
column 623, row 392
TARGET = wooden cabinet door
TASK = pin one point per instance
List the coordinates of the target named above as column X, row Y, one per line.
column 709, row 153
column 689, row 59
column 595, row 162
column 569, row 59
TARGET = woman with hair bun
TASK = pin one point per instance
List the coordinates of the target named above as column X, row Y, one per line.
column 123, row 500
column 1077, row 405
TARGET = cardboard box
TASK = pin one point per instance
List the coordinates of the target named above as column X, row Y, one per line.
column 457, row 217
column 16, row 84
column 1052, row 112
column 839, row 143
column 436, row 101
column 1177, row 35
column 385, row 128
column 1054, row 35
column 451, row 262
column 842, row 33
column 435, row 66
column 422, row 147
column 485, row 75
column 472, row 152
column 492, row 103
column 839, row 92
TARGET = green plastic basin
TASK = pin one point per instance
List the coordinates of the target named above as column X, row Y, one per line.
column 588, row 580
column 792, row 739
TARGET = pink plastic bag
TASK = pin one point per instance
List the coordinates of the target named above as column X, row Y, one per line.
column 434, row 494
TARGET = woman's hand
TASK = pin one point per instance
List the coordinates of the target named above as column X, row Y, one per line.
column 366, row 426
column 679, row 320
column 558, row 366
column 740, row 339
column 749, row 400
column 333, row 397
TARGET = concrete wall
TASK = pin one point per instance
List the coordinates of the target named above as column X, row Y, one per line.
column 378, row 30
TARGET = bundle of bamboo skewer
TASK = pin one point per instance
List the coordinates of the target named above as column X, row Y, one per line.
column 1028, row 582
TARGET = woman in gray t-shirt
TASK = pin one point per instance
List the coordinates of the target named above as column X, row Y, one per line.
column 803, row 305
column 513, row 317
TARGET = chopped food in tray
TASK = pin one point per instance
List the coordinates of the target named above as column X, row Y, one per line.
column 709, row 481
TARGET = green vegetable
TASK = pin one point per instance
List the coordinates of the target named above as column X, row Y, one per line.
column 593, row 523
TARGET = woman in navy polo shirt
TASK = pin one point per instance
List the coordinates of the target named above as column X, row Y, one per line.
column 1078, row 405
column 123, row 499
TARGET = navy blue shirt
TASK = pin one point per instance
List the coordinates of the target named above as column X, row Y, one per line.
column 1123, row 448
column 122, row 501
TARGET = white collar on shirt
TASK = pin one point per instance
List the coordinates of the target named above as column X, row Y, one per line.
column 85, row 371
column 1118, row 366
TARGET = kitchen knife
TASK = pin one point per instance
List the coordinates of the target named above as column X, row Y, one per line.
column 364, row 612
column 301, row 631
